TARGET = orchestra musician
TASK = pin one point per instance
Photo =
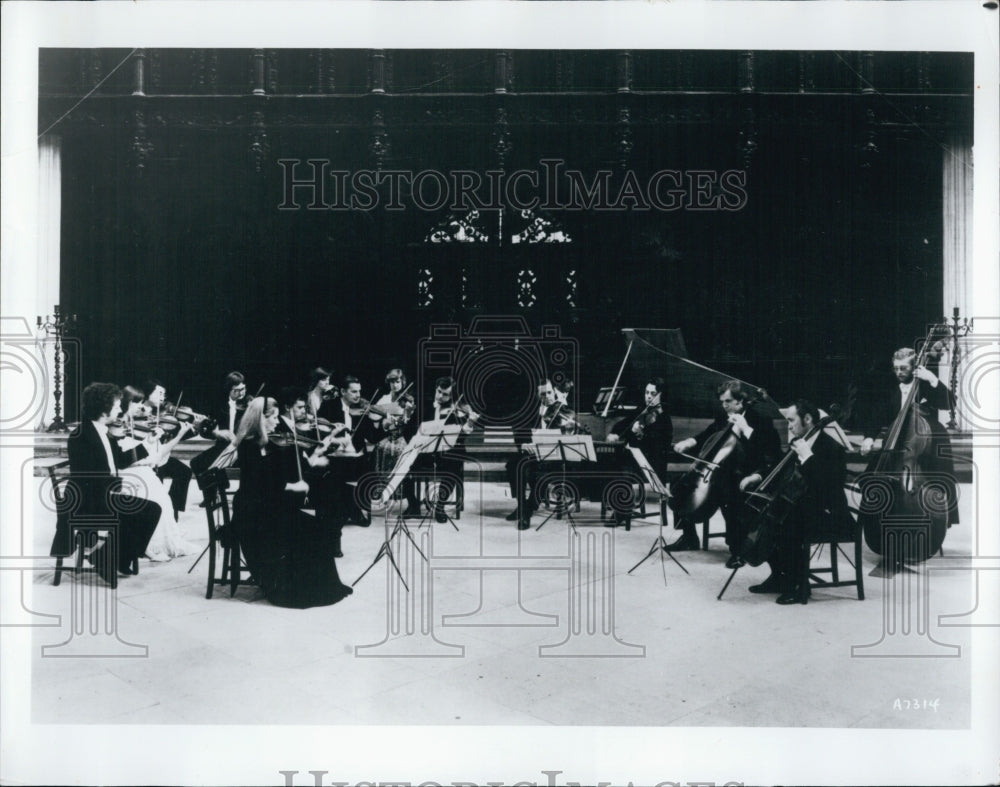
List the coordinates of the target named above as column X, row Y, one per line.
column 819, row 512
column 522, row 472
column 349, row 461
column 290, row 554
column 445, row 407
column 650, row 430
column 174, row 469
column 932, row 397
column 326, row 495
column 321, row 394
column 399, row 407
column 94, row 462
column 167, row 540
column 760, row 446
column 227, row 423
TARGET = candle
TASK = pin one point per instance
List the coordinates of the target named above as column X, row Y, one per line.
column 39, row 320
column 954, row 312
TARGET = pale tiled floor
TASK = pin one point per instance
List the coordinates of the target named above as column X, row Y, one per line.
column 502, row 627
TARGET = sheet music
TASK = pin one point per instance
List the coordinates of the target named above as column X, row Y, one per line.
column 647, row 470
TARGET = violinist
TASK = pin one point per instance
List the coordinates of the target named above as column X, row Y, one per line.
column 174, row 469
column 758, row 449
column 398, row 407
column 821, row 510
column 932, row 396
column 142, row 475
column 322, row 393
column 227, row 422
column 650, row 430
column 94, row 461
column 326, row 494
column 350, row 461
column 522, row 472
column 446, row 406
column 290, row 554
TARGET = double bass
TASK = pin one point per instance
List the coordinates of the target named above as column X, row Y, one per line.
column 904, row 508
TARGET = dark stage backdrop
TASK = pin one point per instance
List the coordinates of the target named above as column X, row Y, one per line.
column 185, row 267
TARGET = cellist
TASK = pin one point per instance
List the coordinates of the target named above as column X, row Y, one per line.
column 820, row 511
column 760, row 447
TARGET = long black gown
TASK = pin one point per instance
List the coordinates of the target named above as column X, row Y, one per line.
column 289, row 553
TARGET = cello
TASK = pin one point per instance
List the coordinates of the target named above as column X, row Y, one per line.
column 901, row 510
column 774, row 499
column 696, row 494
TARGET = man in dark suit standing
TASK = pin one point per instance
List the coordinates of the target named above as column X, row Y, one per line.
column 821, row 511
column 94, row 460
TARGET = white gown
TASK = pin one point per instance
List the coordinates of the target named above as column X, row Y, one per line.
column 167, row 541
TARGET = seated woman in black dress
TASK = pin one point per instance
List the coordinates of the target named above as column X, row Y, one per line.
column 288, row 552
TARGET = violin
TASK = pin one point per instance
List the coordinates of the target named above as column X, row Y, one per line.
column 645, row 418
column 203, row 424
column 459, row 411
column 896, row 476
column 286, row 439
column 559, row 416
column 696, row 495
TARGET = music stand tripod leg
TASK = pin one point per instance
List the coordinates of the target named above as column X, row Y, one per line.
column 660, row 545
column 731, row 575
column 561, row 506
column 386, row 551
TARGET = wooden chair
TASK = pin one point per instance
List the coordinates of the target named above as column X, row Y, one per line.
column 707, row 534
column 815, row 575
column 214, row 484
column 83, row 533
column 455, row 499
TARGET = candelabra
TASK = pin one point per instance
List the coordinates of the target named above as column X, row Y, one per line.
column 57, row 325
column 959, row 328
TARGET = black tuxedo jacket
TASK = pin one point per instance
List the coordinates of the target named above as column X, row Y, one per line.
column 91, row 482
column 761, row 450
column 930, row 399
column 88, row 467
column 824, row 505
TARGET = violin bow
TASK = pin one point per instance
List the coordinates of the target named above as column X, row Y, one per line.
column 398, row 396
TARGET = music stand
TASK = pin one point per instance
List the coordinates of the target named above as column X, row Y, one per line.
column 615, row 394
column 437, row 439
column 660, row 545
column 563, row 448
column 393, row 491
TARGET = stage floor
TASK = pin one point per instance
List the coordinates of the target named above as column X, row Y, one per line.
column 537, row 627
